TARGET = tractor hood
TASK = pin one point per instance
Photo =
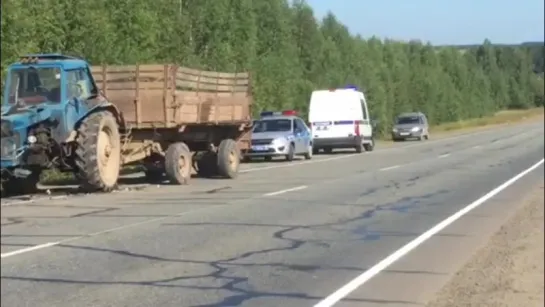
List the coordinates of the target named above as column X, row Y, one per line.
column 22, row 117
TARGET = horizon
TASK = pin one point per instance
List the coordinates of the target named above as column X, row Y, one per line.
column 511, row 23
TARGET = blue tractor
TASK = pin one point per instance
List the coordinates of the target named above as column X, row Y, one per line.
column 53, row 116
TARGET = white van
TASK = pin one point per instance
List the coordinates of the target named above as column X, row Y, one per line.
column 339, row 118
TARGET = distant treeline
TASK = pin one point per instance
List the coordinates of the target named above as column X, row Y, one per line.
column 536, row 49
column 287, row 50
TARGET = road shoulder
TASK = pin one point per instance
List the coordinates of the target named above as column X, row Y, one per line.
column 509, row 270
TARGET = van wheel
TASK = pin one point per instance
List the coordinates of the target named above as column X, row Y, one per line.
column 360, row 146
column 370, row 146
column 291, row 153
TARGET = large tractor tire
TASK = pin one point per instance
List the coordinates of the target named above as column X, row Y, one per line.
column 228, row 159
column 178, row 163
column 98, row 152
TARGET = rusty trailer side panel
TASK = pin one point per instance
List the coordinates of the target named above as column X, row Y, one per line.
column 168, row 96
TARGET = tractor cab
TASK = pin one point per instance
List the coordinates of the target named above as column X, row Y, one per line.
column 42, row 91
column 47, row 79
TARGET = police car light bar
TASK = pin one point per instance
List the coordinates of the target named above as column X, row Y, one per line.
column 348, row 87
column 289, row 113
column 278, row 113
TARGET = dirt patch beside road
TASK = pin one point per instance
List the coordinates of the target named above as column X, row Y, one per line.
column 509, row 270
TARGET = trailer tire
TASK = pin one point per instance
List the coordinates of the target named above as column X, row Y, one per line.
column 98, row 152
column 228, row 159
column 178, row 163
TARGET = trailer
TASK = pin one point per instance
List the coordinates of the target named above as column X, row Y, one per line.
column 178, row 119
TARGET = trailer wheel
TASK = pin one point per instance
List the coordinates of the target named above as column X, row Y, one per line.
column 228, row 159
column 178, row 163
column 98, row 152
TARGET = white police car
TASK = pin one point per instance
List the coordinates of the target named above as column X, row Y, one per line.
column 280, row 134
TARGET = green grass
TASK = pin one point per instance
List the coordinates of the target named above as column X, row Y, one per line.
column 502, row 117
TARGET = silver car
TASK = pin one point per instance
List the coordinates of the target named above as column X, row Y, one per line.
column 280, row 136
column 410, row 126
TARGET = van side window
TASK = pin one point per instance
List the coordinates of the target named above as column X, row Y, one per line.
column 363, row 109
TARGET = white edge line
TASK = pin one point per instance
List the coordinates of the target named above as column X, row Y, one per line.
column 444, row 155
column 302, row 187
column 390, row 168
column 398, row 254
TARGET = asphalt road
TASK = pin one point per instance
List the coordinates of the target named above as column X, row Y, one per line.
column 282, row 234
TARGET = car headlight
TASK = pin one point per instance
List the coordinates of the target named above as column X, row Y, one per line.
column 415, row 129
column 394, row 130
column 278, row 141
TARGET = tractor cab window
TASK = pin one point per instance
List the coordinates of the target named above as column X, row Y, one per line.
column 78, row 84
column 34, row 85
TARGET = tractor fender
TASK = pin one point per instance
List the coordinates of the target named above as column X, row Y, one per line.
column 101, row 106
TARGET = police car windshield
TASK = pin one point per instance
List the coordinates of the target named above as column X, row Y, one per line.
column 408, row 120
column 272, row 125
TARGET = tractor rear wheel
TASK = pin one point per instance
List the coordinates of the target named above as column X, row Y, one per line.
column 98, row 152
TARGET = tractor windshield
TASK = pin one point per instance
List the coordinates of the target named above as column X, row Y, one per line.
column 34, row 85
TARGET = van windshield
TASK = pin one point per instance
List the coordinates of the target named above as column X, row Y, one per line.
column 272, row 125
column 34, row 85
column 403, row 120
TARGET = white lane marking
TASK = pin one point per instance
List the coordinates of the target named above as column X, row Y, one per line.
column 94, row 234
column 444, row 155
column 302, row 187
column 345, row 290
column 256, row 169
column 441, row 140
column 30, row 249
column 50, row 244
column 390, row 168
column 476, row 147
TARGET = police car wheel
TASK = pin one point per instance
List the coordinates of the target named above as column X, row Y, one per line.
column 291, row 153
column 308, row 154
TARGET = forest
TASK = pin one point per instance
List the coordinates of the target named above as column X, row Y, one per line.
column 287, row 50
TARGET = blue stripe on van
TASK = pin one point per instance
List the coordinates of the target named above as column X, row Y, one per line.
column 344, row 122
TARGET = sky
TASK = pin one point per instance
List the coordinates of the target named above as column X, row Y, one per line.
column 440, row 22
